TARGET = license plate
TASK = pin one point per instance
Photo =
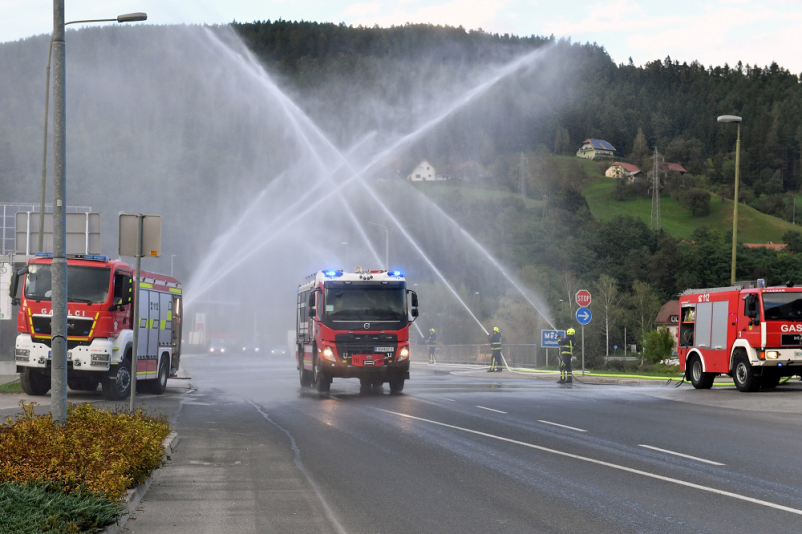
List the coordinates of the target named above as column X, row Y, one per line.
column 382, row 349
column 798, row 354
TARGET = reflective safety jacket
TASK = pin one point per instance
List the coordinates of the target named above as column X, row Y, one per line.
column 567, row 345
column 495, row 341
column 432, row 339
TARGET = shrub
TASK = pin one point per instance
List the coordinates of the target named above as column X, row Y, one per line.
column 31, row 508
column 96, row 451
column 658, row 345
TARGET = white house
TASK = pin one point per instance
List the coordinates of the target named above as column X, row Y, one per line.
column 424, row 172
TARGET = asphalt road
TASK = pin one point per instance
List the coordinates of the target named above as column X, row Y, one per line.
column 470, row 453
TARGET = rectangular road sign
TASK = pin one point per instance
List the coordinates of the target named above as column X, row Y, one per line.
column 151, row 235
column 549, row 338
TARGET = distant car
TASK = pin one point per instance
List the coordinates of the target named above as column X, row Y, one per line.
column 278, row 350
column 218, row 347
column 251, row 347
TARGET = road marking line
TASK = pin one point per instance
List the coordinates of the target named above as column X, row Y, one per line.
column 607, row 464
column 491, row 409
column 561, row 426
column 683, row 455
column 449, row 400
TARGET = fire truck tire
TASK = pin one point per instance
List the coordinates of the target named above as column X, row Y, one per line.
column 118, row 387
column 322, row 380
column 158, row 386
column 699, row 378
column 365, row 382
column 33, row 382
column 743, row 374
column 770, row 379
column 397, row 384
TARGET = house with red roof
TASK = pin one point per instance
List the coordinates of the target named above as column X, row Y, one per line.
column 620, row 169
column 777, row 247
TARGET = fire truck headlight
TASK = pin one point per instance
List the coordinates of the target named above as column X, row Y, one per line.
column 22, row 355
column 403, row 354
column 772, row 354
column 329, row 354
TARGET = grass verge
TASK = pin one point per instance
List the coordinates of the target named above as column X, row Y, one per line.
column 33, row 509
column 11, row 387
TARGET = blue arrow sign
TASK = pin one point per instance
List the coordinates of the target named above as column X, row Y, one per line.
column 549, row 339
column 583, row 316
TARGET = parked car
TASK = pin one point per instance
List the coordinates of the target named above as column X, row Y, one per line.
column 279, row 350
column 252, row 348
column 217, row 346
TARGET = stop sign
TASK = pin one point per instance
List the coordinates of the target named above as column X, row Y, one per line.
column 583, row 297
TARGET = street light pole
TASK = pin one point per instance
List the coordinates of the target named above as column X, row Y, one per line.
column 58, row 327
column 738, row 120
column 128, row 17
column 386, row 244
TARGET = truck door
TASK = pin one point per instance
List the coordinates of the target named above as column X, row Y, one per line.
column 749, row 318
column 142, row 343
column 153, row 335
column 165, row 324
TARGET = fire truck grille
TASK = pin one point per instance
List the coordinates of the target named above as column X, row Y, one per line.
column 75, row 327
column 350, row 344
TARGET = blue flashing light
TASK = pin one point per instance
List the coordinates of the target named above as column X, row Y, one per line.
column 396, row 273
column 332, row 274
column 96, row 257
column 44, row 254
column 779, row 365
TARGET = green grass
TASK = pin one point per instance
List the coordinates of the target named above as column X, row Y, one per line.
column 11, row 387
column 439, row 191
column 33, row 509
column 753, row 226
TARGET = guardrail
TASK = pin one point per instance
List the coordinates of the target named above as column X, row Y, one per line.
column 531, row 356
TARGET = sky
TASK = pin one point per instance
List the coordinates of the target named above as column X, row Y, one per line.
column 713, row 32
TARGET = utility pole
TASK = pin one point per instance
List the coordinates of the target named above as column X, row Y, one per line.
column 58, row 374
column 655, row 225
column 522, row 175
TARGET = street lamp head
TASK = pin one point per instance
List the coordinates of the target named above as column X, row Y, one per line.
column 132, row 17
column 729, row 118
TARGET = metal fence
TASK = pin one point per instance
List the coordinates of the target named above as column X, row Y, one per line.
column 531, row 356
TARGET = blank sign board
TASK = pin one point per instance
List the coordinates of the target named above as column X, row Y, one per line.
column 151, row 235
column 82, row 233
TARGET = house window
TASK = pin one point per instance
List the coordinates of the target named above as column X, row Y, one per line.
column 417, row 176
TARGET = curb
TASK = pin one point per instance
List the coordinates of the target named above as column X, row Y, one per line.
column 135, row 495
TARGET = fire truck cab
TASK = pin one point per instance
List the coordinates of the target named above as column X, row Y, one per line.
column 100, row 314
column 750, row 332
column 354, row 325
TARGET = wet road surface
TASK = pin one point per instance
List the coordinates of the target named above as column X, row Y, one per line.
column 457, row 453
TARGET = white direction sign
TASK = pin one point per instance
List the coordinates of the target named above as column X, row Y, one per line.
column 583, row 316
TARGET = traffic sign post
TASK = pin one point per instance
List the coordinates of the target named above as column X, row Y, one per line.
column 583, row 317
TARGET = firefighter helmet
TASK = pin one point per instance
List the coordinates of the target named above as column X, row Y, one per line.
column 570, row 331
column 495, row 329
column 431, row 330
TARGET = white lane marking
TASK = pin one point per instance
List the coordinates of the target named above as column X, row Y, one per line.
column 449, row 400
column 608, row 464
column 680, row 454
column 491, row 409
column 561, row 426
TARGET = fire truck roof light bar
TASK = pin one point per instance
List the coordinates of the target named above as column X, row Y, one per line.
column 396, row 273
column 332, row 274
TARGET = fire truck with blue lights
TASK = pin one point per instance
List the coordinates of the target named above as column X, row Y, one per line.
column 354, row 325
column 748, row 331
column 100, row 314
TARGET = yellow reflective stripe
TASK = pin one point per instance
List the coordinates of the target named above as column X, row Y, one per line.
column 146, row 286
column 169, row 315
column 162, row 325
column 175, row 290
column 150, row 323
column 141, row 373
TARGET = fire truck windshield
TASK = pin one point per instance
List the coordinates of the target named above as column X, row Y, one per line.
column 363, row 302
column 84, row 284
column 782, row 306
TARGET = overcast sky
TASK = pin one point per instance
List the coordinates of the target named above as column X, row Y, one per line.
column 711, row 31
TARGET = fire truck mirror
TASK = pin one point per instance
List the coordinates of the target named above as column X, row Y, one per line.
column 14, row 287
column 414, row 299
column 312, row 309
column 414, row 312
column 751, row 310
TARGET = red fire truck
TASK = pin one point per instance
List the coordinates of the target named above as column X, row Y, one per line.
column 354, row 325
column 751, row 332
column 100, row 314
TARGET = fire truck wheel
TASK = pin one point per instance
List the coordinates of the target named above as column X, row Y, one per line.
column 118, row 387
column 377, row 383
column 306, row 376
column 158, row 386
column 365, row 382
column 33, row 382
column 699, row 378
column 322, row 380
column 744, row 374
column 396, row 385
column 770, row 379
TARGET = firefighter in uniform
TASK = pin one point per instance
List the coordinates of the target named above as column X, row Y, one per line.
column 430, row 342
column 495, row 351
column 567, row 344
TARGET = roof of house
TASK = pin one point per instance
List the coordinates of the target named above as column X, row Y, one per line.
column 627, row 167
column 600, row 144
column 664, row 315
column 676, row 167
column 769, row 245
